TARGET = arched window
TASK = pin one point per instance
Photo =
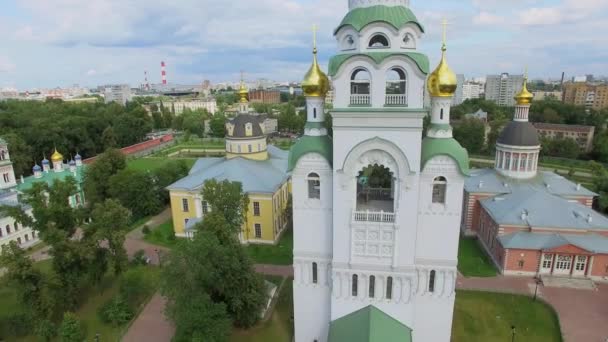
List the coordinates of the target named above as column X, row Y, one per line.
column 249, row 148
column 432, row 281
column 314, row 112
column 389, row 288
column 441, row 114
column 355, row 285
column 27, row 237
column 314, row 186
column 360, row 82
column 396, row 87
column 379, row 41
column 1, row 232
column 8, row 229
column 439, row 189
column 372, row 286
column 33, row 234
column 16, row 226
column 2, row 155
column 408, row 40
column 507, row 161
column 314, row 272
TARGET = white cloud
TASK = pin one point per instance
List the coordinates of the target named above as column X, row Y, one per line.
column 91, row 72
column 6, row 65
column 486, row 18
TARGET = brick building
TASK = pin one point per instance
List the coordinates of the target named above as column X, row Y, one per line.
column 531, row 222
column 583, row 135
column 593, row 96
column 265, row 96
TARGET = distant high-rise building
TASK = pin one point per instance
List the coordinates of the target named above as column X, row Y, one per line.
column 588, row 95
column 501, row 89
column 471, row 90
column 119, row 93
column 458, row 96
column 265, row 96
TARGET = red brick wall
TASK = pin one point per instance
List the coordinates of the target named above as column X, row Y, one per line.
column 473, row 209
column 146, row 145
column 600, row 262
column 531, row 260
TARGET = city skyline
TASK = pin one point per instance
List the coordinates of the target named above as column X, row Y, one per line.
column 109, row 41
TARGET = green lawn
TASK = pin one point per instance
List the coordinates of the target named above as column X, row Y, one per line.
column 151, row 164
column 483, row 316
column 87, row 312
column 472, row 261
column 279, row 328
column 163, row 235
column 281, row 254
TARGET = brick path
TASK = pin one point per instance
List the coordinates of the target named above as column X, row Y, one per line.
column 151, row 324
column 582, row 313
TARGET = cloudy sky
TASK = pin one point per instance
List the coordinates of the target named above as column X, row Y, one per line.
column 48, row 43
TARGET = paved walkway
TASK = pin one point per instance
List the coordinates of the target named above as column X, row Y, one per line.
column 582, row 313
column 151, row 324
column 135, row 239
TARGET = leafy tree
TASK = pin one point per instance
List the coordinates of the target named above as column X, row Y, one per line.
column 560, row 147
column 116, row 311
column 600, row 182
column 71, row 329
column 470, row 133
column 136, row 191
column 600, row 147
column 228, row 199
column 218, row 126
column 97, row 175
column 108, row 138
column 110, row 222
column 21, row 154
column 168, row 174
column 45, row 330
column 197, row 318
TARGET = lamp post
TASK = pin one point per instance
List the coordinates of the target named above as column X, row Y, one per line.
column 160, row 262
column 537, row 281
column 512, row 333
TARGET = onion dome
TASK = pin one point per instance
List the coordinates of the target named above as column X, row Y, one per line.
column 45, row 161
column 57, row 157
column 519, row 133
column 315, row 83
column 442, row 82
column 243, row 93
column 78, row 157
column 36, row 168
column 72, row 163
column 524, row 97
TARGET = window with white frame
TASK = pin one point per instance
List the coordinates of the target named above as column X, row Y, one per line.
column 389, row 288
column 439, row 189
column 314, row 186
column 355, row 286
column 185, row 205
column 547, row 261
column 432, row 281
column 258, row 231
column 6, row 178
column 314, row 273
column 372, row 286
column 379, row 41
column 205, row 207
column 256, row 208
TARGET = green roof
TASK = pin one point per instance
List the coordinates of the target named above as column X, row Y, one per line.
column 308, row 144
column 432, row 147
column 396, row 16
column 368, row 325
column 50, row 178
column 421, row 60
column 312, row 125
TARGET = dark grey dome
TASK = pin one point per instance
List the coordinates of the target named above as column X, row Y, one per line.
column 518, row 133
column 240, row 123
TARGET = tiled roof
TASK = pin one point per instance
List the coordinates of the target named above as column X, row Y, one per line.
column 256, row 176
column 542, row 241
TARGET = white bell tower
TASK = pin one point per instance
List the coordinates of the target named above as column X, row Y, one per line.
column 7, row 174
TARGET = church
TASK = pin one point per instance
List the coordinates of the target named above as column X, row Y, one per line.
column 260, row 168
column 11, row 188
column 377, row 207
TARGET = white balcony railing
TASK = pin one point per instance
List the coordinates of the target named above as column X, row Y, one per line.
column 373, row 216
column 360, row 100
column 396, row 100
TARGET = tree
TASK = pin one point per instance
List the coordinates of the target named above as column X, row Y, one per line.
column 108, row 138
column 197, row 318
column 560, row 147
column 20, row 153
column 110, row 222
column 136, row 191
column 97, row 176
column 168, row 174
column 470, row 133
column 218, row 126
column 228, row 199
column 600, row 147
column 71, row 329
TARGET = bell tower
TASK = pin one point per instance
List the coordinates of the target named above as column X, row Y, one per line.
column 7, row 173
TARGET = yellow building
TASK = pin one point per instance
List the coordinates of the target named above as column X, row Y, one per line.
column 260, row 168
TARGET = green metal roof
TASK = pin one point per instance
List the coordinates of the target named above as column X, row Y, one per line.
column 421, row 60
column 312, row 125
column 396, row 16
column 368, row 325
column 432, row 147
column 307, row 144
column 51, row 176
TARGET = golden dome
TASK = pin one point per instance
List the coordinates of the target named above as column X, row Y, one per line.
column 524, row 97
column 57, row 157
column 315, row 83
column 442, row 82
column 243, row 93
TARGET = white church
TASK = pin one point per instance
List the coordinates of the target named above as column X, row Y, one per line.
column 377, row 207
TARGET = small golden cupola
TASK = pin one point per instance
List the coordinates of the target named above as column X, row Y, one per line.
column 524, row 97
column 57, row 157
column 442, row 82
column 316, row 82
column 243, row 93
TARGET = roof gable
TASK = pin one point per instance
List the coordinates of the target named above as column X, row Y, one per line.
column 421, row 60
column 369, row 324
column 568, row 249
